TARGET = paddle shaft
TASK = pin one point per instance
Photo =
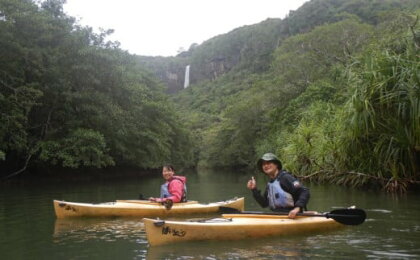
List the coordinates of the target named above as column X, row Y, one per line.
column 280, row 213
column 326, row 215
column 343, row 216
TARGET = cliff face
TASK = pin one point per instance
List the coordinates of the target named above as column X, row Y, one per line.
column 243, row 48
column 211, row 69
column 170, row 70
column 173, row 77
column 172, row 74
column 173, row 80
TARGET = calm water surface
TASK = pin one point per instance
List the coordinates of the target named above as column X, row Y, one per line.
column 29, row 229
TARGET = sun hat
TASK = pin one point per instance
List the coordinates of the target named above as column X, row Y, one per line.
column 269, row 157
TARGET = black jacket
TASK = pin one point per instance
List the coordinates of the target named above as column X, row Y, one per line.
column 290, row 185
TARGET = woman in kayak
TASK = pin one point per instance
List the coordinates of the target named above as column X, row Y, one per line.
column 283, row 192
column 174, row 189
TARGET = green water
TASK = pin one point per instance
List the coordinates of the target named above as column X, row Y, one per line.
column 29, row 229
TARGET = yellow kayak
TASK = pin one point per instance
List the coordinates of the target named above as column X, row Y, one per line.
column 233, row 227
column 140, row 208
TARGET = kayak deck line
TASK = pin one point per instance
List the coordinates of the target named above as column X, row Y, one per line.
column 151, row 202
column 159, row 222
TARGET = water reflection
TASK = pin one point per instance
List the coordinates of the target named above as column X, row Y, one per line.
column 108, row 229
column 82, row 229
column 293, row 247
column 247, row 249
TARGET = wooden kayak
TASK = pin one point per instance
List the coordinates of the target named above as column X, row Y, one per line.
column 233, row 227
column 140, row 208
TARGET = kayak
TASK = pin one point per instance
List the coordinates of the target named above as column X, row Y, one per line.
column 140, row 208
column 233, row 227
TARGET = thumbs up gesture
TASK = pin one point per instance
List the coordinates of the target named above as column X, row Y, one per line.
column 252, row 184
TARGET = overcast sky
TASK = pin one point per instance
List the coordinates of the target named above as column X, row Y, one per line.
column 162, row 27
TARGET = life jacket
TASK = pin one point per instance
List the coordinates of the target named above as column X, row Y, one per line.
column 277, row 197
column 164, row 188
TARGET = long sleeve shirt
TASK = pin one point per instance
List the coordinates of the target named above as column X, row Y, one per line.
column 289, row 184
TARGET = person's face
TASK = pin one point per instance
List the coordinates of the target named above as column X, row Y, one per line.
column 167, row 173
column 270, row 168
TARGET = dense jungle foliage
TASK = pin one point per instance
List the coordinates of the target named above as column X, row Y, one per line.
column 337, row 99
column 333, row 89
column 69, row 98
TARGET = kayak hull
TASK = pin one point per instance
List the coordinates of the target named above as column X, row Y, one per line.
column 233, row 227
column 139, row 208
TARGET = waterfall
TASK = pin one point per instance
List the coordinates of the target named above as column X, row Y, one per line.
column 187, row 76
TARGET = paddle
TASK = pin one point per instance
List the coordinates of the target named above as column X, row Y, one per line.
column 168, row 203
column 343, row 216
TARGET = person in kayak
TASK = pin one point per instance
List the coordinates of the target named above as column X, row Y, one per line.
column 283, row 192
column 174, row 189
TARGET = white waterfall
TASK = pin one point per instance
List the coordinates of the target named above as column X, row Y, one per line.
column 187, row 76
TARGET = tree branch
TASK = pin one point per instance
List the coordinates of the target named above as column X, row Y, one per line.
column 21, row 170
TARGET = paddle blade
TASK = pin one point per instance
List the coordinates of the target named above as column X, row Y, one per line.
column 348, row 216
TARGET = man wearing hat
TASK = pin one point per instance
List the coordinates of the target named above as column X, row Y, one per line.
column 284, row 192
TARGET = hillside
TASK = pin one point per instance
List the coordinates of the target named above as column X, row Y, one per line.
column 286, row 85
column 250, row 48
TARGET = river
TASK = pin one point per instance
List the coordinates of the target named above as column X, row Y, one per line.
column 30, row 230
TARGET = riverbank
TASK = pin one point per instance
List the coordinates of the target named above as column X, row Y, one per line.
column 84, row 174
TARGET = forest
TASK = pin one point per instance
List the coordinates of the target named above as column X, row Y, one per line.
column 332, row 89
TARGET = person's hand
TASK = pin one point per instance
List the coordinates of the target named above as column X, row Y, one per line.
column 252, row 184
column 157, row 199
column 294, row 212
column 160, row 200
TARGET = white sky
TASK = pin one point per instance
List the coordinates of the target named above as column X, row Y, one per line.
column 162, row 27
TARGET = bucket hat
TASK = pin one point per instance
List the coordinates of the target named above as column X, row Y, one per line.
column 269, row 157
